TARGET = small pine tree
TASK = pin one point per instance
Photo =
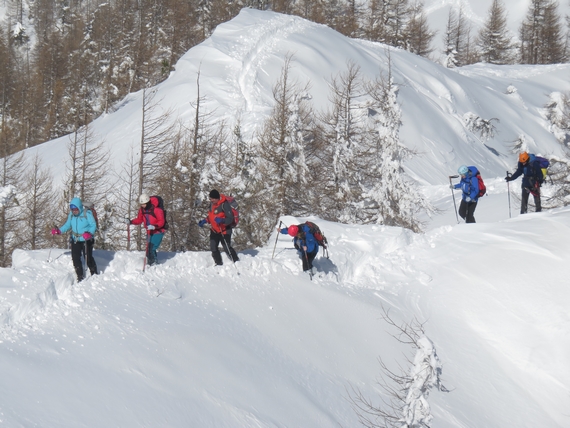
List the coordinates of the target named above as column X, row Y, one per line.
column 494, row 41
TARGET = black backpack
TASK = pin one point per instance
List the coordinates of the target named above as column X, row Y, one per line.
column 161, row 206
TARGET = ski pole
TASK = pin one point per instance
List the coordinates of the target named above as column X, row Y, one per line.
column 146, row 250
column 509, row 193
column 84, row 258
column 227, row 250
column 453, row 195
column 307, row 259
column 276, row 238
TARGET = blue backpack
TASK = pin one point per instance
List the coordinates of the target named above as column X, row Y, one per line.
column 544, row 164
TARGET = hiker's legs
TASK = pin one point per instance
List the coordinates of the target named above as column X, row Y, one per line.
column 469, row 218
column 215, row 239
column 462, row 211
column 154, row 243
column 311, row 257
column 537, row 202
column 524, row 200
column 228, row 246
column 76, row 250
column 90, row 260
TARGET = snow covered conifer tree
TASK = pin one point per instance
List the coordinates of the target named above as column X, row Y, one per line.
column 343, row 127
column 389, row 196
column 494, row 41
column 283, row 163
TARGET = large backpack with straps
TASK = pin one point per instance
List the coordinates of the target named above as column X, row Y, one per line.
column 482, row 187
column 316, row 232
column 235, row 210
column 90, row 206
column 544, row 164
column 160, row 205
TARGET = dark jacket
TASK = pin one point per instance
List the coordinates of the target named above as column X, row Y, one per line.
column 531, row 172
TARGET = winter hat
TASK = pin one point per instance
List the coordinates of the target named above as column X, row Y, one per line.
column 523, row 157
column 463, row 170
column 292, row 230
column 144, row 198
column 214, row 194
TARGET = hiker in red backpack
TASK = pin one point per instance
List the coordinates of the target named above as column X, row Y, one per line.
column 306, row 244
column 532, row 174
column 469, row 185
column 152, row 217
column 221, row 220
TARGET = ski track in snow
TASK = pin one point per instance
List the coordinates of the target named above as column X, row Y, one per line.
column 252, row 52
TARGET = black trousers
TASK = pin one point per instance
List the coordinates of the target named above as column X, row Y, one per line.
column 466, row 211
column 308, row 258
column 524, row 200
column 215, row 240
column 77, row 249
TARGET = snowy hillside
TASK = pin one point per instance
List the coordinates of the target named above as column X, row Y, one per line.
column 243, row 59
column 259, row 344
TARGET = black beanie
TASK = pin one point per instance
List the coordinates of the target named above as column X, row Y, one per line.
column 214, row 194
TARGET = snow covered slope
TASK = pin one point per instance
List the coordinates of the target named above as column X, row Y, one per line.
column 243, row 59
column 261, row 345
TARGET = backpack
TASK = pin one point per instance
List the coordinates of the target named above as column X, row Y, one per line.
column 544, row 164
column 235, row 210
column 89, row 206
column 316, row 232
column 161, row 206
column 482, row 187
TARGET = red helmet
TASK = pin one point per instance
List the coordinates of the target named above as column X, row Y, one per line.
column 292, row 230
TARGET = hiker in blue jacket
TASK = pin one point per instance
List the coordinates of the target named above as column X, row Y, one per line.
column 469, row 185
column 305, row 243
column 530, row 169
column 83, row 227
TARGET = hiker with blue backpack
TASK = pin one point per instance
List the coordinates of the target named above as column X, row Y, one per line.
column 83, row 226
column 305, row 243
column 471, row 189
column 531, row 168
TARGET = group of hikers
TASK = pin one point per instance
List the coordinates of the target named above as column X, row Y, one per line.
column 531, row 167
column 222, row 219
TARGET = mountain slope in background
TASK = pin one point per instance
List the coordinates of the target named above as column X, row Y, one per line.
column 243, row 59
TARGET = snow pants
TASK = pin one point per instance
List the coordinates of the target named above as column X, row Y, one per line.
column 84, row 248
column 215, row 240
column 466, row 211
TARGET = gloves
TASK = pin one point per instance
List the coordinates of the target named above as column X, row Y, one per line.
column 508, row 178
column 150, row 227
column 468, row 199
column 219, row 220
column 201, row 223
column 452, row 187
column 56, row 231
column 87, row 236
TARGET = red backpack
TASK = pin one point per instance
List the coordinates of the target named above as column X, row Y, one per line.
column 482, row 187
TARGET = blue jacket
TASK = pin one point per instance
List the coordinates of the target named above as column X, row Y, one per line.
column 469, row 185
column 79, row 224
column 531, row 172
column 304, row 239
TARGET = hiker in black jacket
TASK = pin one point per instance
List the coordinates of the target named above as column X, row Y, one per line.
column 532, row 178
